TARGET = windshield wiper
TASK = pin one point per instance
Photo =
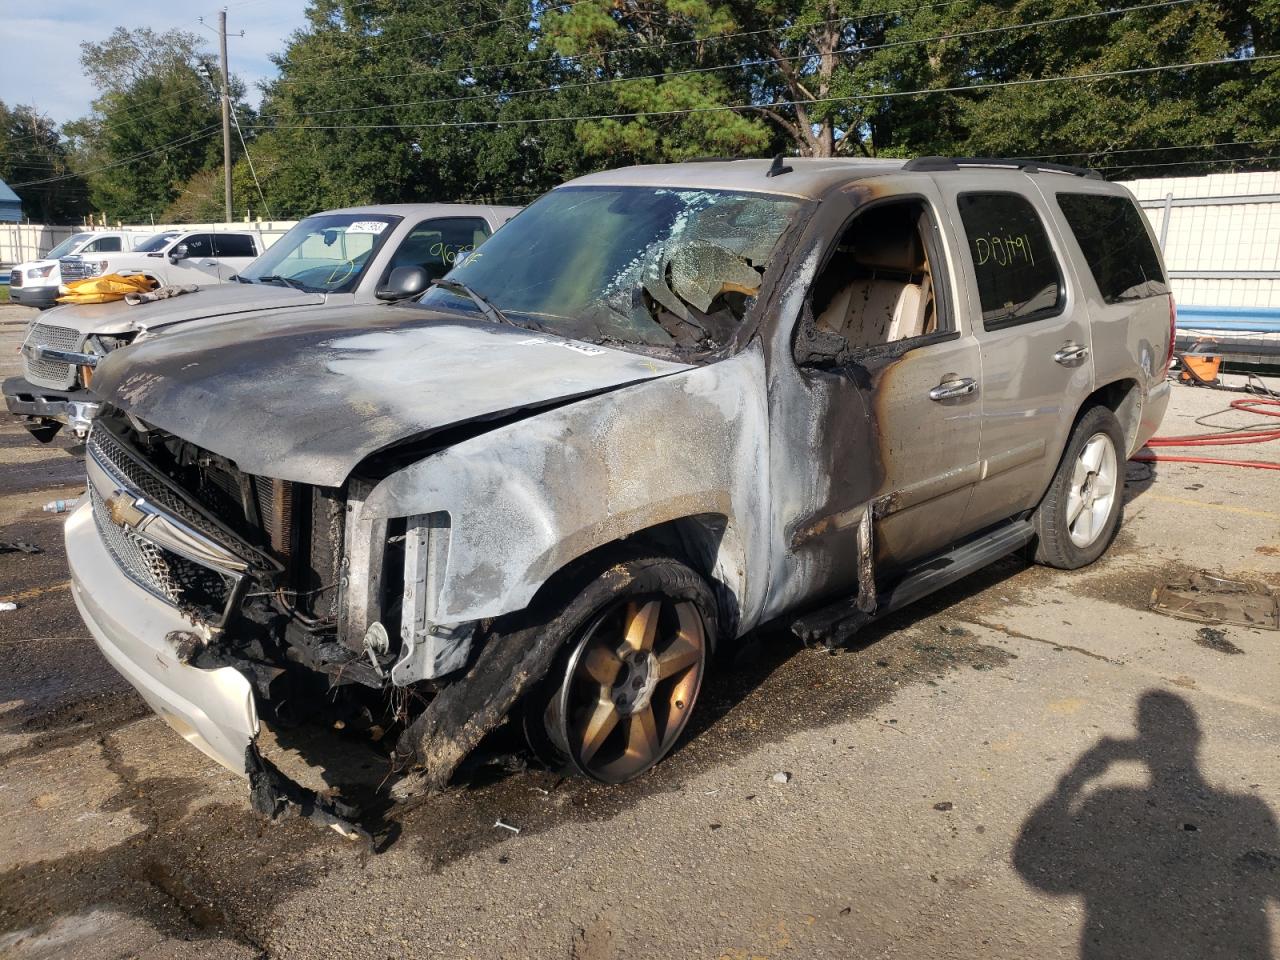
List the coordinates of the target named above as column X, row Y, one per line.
column 287, row 281
column 239, row 279
column 486, row 306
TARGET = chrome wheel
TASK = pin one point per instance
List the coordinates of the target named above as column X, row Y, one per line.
column 630, row 686
column 1093, row 490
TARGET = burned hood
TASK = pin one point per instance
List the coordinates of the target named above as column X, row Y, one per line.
column 218, row 300
column 310, row 397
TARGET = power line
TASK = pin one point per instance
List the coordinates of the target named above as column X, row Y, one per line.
column 502, row 94
column 1107, row 151
column 181, row 141
column 887, row 94
column 570, row 58
column 1187, row 163
column 446, row 33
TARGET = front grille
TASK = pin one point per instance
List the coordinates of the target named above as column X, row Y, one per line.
column 190, row 586
column 15, row 278
column 174, row 579
column 111, row 453
column 77, row 269
column 51, row 373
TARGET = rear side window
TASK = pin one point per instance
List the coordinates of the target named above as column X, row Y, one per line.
column 1115, row 244
column 233, row 245
column 104, row 245
column 1017, row 273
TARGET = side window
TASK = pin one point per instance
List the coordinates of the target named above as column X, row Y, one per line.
column 880, row 286
column 1115, row 244
column 199, row 245
column 1018, row 276
column 233, row 245
column 104, row 245
column 436, row 244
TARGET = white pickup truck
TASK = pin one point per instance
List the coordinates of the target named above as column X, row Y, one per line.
column 195, row 256
column 35, row 283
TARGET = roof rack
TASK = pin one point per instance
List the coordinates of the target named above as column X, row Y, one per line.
column 935, row 164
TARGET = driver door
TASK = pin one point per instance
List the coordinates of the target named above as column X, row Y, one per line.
column 884, row 417
column 199, row 266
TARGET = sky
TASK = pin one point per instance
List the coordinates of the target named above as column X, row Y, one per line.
column 40, row 60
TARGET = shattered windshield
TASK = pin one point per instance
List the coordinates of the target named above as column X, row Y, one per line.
column 326, row 253
column 644, row 266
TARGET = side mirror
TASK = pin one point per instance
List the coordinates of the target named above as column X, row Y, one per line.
column 403, row 283
column 178, row 253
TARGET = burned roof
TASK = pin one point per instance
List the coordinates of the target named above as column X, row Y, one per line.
column 809, row 177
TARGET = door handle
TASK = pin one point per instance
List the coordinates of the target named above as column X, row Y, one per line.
column 950, row 389
column 208, row 263
column 1071, row 353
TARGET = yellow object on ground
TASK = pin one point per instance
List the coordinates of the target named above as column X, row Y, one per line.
column 104, row 289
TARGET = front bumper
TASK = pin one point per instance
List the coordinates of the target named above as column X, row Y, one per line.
column 44, row 407
column 41, row 297
column 212, row 709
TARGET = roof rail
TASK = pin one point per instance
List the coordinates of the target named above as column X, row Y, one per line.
column 936, row 164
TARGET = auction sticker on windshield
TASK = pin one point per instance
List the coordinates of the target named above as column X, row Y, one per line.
column 367, row 226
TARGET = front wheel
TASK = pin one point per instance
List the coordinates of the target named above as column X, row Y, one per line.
column 625, row 686
column 1080, row 513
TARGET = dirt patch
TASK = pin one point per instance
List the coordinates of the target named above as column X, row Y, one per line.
column 1215, row 640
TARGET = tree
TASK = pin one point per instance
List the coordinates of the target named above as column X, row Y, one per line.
column 35, row 161
column 388, row 100
column 156, row 121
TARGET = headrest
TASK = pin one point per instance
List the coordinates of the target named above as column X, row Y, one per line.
column 892, row 245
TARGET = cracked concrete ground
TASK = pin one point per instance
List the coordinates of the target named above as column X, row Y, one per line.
column 1030, row 764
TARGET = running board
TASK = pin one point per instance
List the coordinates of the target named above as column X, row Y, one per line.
column 837, row 622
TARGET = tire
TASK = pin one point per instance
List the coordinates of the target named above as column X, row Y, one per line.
column 637, row 642
column 1078, row 517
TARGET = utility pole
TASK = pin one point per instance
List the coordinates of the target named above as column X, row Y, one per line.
column 226, row 111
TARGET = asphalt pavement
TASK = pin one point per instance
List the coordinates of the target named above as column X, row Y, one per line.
column 1029, row 764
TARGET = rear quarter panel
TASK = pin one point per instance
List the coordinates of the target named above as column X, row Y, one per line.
column 1131, row 338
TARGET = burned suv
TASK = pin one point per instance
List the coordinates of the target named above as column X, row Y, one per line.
column 664, row 405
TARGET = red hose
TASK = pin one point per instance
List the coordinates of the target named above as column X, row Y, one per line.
column 1252, row 405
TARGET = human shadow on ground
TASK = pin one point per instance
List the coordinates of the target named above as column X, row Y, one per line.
column 1176, row 869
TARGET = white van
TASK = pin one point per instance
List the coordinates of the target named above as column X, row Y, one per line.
column 35, row 283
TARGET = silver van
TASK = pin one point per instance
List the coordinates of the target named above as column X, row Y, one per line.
column 663, row 406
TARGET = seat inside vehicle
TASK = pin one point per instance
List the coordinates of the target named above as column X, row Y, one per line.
column 878, row 287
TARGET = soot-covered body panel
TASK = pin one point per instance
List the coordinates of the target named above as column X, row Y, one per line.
column 308, row 399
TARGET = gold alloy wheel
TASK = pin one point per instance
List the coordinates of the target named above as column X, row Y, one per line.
column 630, row 687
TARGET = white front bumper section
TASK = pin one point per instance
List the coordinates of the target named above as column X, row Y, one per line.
column 212, row 709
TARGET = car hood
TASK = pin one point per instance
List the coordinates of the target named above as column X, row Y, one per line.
column 309, row 398
column 216, row 300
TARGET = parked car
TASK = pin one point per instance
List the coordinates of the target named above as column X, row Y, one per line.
column 191, row 256
column 35, row 283
column 329, row 259
column 665, row 405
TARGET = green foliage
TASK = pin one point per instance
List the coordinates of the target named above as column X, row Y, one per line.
column 156, row 123
column 395, row 100
column 32, row 150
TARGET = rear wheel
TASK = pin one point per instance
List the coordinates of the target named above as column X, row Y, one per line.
column 625, row 686
column 1080, row 513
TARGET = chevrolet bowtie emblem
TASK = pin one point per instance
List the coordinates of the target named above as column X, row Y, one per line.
column 124, row 510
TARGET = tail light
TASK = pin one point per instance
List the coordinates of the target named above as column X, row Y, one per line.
column 1173, row 332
